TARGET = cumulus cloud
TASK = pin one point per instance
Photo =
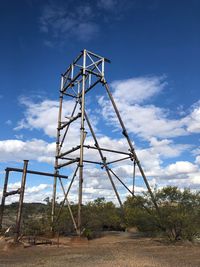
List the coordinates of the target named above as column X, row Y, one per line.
column 194, row 181
column 17, row 150
column 146, row 120
column 36, row 189
column 166, row 148
column 36, row 193
column 43, row 115
column 149, row 122
column 181, row 167
column 137, row 90
column 193, row 119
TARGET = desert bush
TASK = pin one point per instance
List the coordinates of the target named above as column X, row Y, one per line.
column 179, row 216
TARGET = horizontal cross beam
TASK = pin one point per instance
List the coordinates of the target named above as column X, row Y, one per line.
column 14, row 192
column 37, row 173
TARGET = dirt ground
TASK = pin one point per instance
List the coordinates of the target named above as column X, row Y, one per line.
column 118, row 250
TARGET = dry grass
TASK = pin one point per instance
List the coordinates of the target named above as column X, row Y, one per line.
column 112, row 250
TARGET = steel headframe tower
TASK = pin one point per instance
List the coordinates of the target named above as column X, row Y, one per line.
column 86, row 71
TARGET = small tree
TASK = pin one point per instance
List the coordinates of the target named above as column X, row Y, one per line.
column 137, row 216
column 99, row 214
column 179, row 213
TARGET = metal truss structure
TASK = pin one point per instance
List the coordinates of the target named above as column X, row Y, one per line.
column 20, row 191
column 85, row 73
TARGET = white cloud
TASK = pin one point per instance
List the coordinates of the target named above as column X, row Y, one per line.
column 29, row 189
column 193, row 119
column 194, row 181
column 14, row 186
column 36, row 189
column 197, row 161
column 35, row 193
column 181, row 167
column 17, row 150
column 137, row 90
column 146, row 120
column 43, row 115
column 61, row 22
column 166, row 148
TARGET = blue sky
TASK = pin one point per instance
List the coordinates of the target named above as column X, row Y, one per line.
column 155, row 61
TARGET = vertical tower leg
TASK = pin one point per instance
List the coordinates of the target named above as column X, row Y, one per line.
column 82, row 137
column 133, row 189
column 4, row 197
column 21, row 199
column 56, row 159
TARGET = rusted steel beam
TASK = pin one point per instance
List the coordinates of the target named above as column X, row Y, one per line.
column 69, row 151
column 37, row 173
column 85, row 160
column 70, row 121
column 117, row 160
column 3, row 198
column 72, row 82
column 70, row 95
column 14, row 192
column 67, row 128
column 56, row 172
column 108, row 150
column 134, row 171
column 94, row 73
column 21, row 200
column 66, row 163
column 82, row 138
column 74, row 62
column 93, row 85
column 66, row 194
column 69, row 207
column 87, row 75
column 97, row 56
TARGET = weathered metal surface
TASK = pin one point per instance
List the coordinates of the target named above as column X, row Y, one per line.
column 21, row 201
column 4, row 197
column 36, row 172
column 84, row 74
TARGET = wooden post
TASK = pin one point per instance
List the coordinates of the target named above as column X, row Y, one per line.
column 21, row 199
column 3, row 197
